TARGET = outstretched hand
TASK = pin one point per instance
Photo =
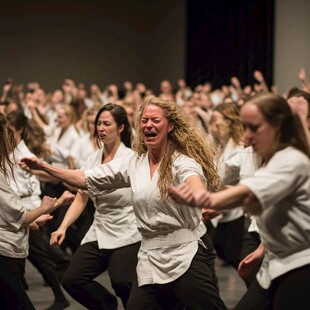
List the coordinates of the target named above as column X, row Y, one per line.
column 66, row 198
column 31, row 163
column 40, row 221
column 48, row 204
column 57, row 237
column 247, row 265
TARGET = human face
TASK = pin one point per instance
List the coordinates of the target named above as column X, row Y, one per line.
column 17, row 133
column 107, row 128
column 90, row 120
column 219, row 127
column 155, row 127
column 130, row 115
column 63, row 119
column 258, row 132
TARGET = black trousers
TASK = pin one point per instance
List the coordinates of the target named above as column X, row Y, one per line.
column 196, row 289
column 227, row 239
column 12, row 293
column 251, row 241
column 39, row 257
column 287, row 292
column 88, row 262
column 78, row 229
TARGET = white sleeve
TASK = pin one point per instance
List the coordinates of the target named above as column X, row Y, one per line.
column 283, row 174
column 107, row 177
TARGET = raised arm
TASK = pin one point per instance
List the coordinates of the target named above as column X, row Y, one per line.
column 74, row 178
column 229, row 198
column 72, row 214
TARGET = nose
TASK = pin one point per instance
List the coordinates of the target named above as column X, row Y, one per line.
column 149, row 124
column 101, row 127
column 248, row 134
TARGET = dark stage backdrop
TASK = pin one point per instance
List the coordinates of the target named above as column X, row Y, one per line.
column 229, row 37
column 92, row 41
column 146, row 41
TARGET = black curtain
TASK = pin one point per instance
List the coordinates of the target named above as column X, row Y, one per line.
column 228, row 38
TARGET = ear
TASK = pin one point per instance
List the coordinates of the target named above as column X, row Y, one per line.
column 121, row 128
column 170, row 127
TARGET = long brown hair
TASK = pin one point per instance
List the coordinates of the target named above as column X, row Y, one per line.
column 32, row 134
column 277, row 112
column 7, row 145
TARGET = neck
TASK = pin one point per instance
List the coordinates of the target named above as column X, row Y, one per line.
column 155, row 156
column 110, row 150
column 223, row 141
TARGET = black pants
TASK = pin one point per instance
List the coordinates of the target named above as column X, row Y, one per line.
column 88, row 262
column 196, row 289
column 40, row 259
column 287, row 292
column 227, row 239
column 78, row 229
column 12, row 293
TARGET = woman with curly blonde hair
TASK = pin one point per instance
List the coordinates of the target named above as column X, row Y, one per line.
column 227, row 229
column 173, row 265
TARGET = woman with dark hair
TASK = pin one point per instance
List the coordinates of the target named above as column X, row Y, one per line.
column 278, row 195
column 112, row 242
column 14, row 222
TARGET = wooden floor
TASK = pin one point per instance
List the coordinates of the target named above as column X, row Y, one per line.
column 231, row 288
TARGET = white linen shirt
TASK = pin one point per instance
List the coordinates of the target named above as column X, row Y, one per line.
column 229, row 176
column 26, row 185
column 81, row 149
column 13, row 238
column 65, row 142
column 283, row 190
column 169, row 238
column 114, row 222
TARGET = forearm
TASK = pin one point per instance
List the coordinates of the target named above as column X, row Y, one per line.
column 75, row 178
column 229, row 198
column 32, row 215
column 75, row 210
column 194, row 182
column 44, row 176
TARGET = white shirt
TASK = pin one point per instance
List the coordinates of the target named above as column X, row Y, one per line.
column 169, row 238
column 114, row 223
column 65, row 142
column 81, row 149
column 26, row 185
column 13, row 238
column 229, row 175
column 283, row 190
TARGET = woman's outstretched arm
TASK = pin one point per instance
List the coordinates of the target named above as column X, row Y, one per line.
column 75, row 178
column 229, row 198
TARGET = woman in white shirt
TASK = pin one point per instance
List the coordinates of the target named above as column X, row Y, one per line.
column 278, row 195
column 61, row 144
column 14, row 222
column 112, row 242
column 27, row 186
column 173, row 264
column 227, row 229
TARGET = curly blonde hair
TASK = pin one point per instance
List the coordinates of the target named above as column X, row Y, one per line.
column 231, row 113
column 185, row 138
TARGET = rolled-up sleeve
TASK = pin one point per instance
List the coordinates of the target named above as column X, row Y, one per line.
column 107, row 177
column 13, row 213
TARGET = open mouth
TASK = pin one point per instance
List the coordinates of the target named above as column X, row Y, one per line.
column 150, row 134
